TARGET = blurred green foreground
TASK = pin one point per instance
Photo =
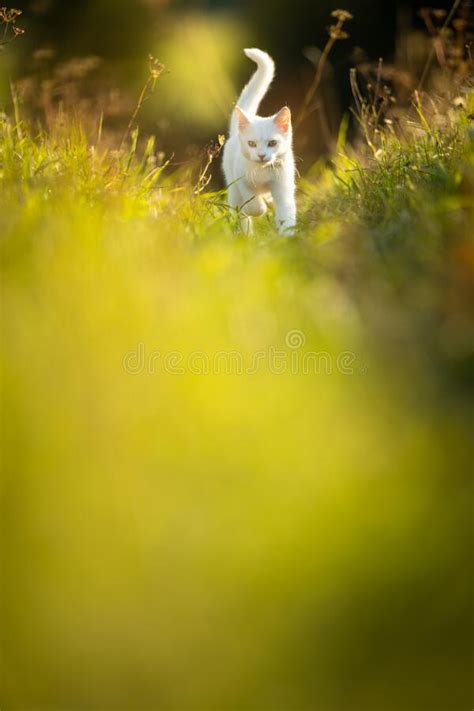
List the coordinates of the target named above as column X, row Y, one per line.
column 186, row 524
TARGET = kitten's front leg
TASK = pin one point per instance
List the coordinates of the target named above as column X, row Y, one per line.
column 252, row 206
column 285, row 208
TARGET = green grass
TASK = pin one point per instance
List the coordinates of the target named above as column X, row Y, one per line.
column 256, row 538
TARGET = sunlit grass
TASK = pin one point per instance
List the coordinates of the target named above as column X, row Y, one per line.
column 180, row 536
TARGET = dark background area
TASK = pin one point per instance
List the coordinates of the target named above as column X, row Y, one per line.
column 283, row 26
column 122, row 34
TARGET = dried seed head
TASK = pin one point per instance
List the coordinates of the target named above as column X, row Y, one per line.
column 336, row 33
column 9, row 15
column 342, row 15
column 156, row 68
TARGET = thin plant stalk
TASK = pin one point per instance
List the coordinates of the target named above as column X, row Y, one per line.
column 335, row 33
column 432, row 53
column 205, row 177
column 155, row 71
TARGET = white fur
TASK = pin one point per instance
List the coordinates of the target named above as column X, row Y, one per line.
column 257, row 175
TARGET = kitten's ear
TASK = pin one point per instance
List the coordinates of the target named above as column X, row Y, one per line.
column 283, row 119
column 242, row 118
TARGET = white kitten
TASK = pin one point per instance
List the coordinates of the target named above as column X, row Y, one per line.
column 258, row 157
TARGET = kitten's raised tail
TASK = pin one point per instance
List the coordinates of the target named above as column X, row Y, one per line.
column 253, row 93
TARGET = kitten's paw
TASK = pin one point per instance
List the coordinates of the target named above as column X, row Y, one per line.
column 286, row 229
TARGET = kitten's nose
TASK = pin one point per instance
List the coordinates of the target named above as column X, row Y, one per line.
column 262, row 156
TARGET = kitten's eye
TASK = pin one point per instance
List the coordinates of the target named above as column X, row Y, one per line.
column 252, row 144
column 272, row 144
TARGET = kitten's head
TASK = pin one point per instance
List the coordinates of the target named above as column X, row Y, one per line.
column 264, row 140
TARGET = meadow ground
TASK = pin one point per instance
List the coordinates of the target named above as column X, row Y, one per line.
column 236, row 469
